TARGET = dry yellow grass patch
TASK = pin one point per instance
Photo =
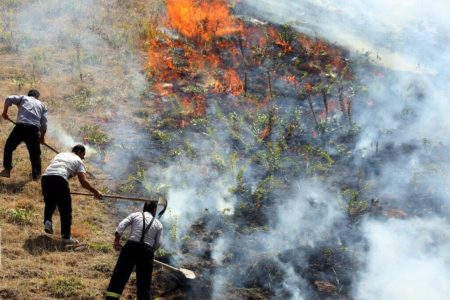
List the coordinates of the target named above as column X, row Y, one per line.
column 35, row 265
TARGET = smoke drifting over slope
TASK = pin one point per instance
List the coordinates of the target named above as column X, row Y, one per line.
column 403, row 135
column 404, row 122
column 67, row 48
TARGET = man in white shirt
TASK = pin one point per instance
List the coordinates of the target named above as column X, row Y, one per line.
column 138, row 251
column 31, row 125
column 56, row 191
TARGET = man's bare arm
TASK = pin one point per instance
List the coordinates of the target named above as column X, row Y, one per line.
column 5, row 111
column 84, row 183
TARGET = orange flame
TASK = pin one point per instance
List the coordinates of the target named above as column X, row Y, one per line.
column 194, row 106
column 201, row 19
column 233, row 82
column 279, row 41
column 291, row 79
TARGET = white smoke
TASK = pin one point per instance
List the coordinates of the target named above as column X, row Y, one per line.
column 302, row 219
column 406, row 108
column 198, row 186
column 67, row 140
column 404, row 36
column 409, row 259
column 65, row 45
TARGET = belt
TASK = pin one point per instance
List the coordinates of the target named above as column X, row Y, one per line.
column 27, row 125
column 144, row 244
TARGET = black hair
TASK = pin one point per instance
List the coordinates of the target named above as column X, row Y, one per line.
column 150, row 206
column 34, row 93
column 78, row 148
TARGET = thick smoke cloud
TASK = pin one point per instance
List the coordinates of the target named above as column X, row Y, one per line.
column 409, row 259
column 404, row 128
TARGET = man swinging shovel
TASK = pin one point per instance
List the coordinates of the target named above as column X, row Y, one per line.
column 30, row 128
column 138, row 251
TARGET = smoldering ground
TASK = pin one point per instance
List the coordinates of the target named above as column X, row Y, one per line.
column 403, row 119
column 299, row 236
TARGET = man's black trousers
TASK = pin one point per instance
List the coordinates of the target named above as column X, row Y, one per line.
column 133, row 254
column 30, row 135
column 57, row 194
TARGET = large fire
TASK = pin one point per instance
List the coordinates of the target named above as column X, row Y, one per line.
column 202, row 20
column 204, row 27
column 205, row 50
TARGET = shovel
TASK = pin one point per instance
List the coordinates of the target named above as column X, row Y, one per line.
column 162, row 203
column 188, row 274
column 45, row 144
column 53, row 149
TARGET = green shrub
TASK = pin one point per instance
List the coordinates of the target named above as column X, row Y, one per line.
column 19, row 216
column 64, row 287
column 101, row 247
column 94, row 135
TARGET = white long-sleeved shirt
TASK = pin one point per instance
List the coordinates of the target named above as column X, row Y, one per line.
column 153, row 235
column 31, row 110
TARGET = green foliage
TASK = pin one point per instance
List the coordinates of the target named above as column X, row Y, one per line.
column 94, row 135
column 218, row 161
column 83, row 100
column 194, row 89
column 162, row 136
column 260, row 120
column 240, row 187
column 318, row 152
column 318, row 168
column 65, row 287
column 287, row 34
column 140, row 177
column 174, row 153
column 19, row 216
column 39, row 61
column 6, row 33
column 103, row 268
column 355, row 205
column 22, row 80
column 173, row 230
column 201, row 123
column 101, row 247
column 271, row 157
column 264, row 187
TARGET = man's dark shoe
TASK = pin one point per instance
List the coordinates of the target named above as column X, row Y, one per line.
column 48, row 227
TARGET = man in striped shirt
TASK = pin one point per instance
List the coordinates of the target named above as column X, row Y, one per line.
column 138, row 251
column 31, row 125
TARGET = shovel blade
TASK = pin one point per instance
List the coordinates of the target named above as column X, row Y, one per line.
column 187, row 273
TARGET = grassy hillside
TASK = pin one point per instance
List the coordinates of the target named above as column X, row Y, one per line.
column 35, row 265
column 246, row 127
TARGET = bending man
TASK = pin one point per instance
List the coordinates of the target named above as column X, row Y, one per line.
column 56, row 191
column 138, row 251
column 31, row 125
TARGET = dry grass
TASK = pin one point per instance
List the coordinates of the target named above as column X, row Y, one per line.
column 35, row 265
